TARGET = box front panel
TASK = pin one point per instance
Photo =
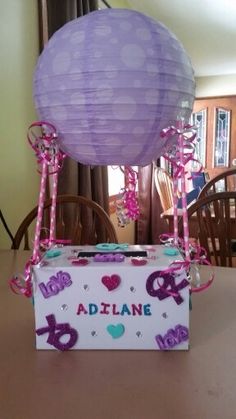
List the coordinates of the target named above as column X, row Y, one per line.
column 110, row 306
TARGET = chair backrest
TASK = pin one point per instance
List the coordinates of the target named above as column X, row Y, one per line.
column 225, row 181
column 164, row 187
column 78, row 219
column 2, row 219
column 216, row 226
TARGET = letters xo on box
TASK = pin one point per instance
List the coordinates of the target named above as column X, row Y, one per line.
column 85, row 298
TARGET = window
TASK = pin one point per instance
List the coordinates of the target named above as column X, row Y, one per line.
column 222, row 138
column 116, row 180
column 199, row 120
column 116, row 184
column 220, row 129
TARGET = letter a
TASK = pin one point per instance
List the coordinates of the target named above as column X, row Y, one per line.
column 81, row 309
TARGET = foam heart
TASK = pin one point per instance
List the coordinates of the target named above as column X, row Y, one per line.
column 111, row 282
column 138, row 262
column 116, row 331
column 80, row 262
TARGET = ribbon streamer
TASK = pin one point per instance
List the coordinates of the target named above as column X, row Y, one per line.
column 179, row 156
column 46, row 146
column 22, row 284
column 50, row 158
column 127, row 208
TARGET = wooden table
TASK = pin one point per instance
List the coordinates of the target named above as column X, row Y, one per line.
column 198, row 384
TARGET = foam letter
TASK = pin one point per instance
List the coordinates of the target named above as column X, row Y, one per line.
column 81, row 309
column 114, row 312
column 44, row 290
column 53, row 287
column 93, row 308
column 136, row 309
column 124, row 310
column 146, row 310
column 105, row 307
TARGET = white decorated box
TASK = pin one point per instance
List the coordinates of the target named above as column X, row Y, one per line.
column 88, row 298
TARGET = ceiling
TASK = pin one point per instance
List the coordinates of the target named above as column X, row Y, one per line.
column 207, row 29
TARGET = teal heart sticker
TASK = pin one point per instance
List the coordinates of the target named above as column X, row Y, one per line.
column 52, row 253
column 116, row 331
column 171, row 251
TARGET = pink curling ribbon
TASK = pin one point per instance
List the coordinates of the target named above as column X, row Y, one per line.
column 177, row 266
column 169, row 239
column 183, row 190
column 46, row 242
column 22, row 284
column 52, row 234
column 175, row 203
column 127, row 206
column 197, row 257
column 50, row 157
column 188, row 137
column 46, row 146
column 179, row 156
column 42, row 194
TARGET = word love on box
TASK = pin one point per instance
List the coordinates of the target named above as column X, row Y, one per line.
column 55, row 284
column 130, row 302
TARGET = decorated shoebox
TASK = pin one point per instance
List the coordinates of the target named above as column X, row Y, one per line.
column 88, row 297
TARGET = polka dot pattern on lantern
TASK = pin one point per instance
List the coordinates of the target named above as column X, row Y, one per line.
column 134, row 75
column 133, row 56
column 124, row 107
column 61, row 63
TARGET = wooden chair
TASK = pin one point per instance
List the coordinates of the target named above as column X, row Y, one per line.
column 78, row 219
column 164, row 187
column 228, row 180
column 4, row 223
column 216, row 226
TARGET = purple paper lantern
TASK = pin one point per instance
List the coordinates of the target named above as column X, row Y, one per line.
column 109, row 82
